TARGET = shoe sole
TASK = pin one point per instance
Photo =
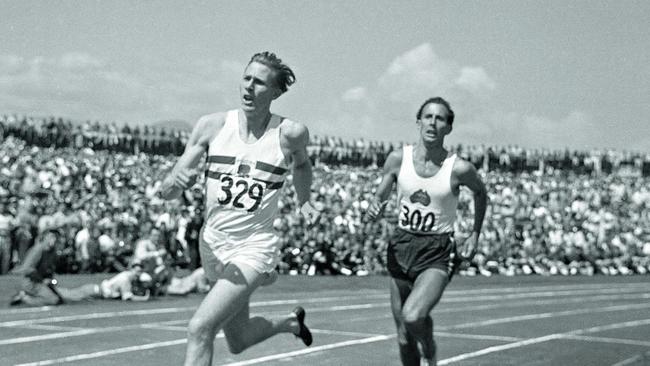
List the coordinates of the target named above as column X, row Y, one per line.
column 304, row 332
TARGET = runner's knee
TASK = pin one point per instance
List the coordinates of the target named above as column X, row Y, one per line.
column 414, row 316
column 200, row 329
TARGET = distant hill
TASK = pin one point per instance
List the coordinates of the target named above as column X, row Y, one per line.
column 174, row 124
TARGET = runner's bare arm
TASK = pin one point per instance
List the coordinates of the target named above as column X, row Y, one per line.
column 389, row 178
column 182, row 175
column 295, row 139
column 465, row 174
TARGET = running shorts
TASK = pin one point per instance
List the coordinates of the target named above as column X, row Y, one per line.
column 259, row 251
column 410, row 254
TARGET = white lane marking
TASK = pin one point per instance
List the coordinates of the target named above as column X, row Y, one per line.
column 87, row 356
column 177, row 328
column 634, row 360
column 380, row 294
column 547, row 287
column 279, row 356
column 524, row 295
column 333, row 295
column 631, row 342
column 553, row 314
column 112, row 314
column 627, row 324
column 344, row 333
column 176, row 342
column 75, row 333
column 542, row 339
column 457, row 309
column 499, row 348
column 170, row 324
column 162, row 344
column 154, row 311
column 485, row 337
column 49, row 327
column 361, row 341
column 24, row 310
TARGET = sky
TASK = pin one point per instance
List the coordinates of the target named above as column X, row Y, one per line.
column 552, row 73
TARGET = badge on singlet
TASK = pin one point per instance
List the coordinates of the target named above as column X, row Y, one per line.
column 414, row 215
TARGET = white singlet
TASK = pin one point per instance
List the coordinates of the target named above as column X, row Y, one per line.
column 243, row 182
column 427, row 205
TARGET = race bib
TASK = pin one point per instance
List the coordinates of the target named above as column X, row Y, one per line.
column 240, row 193
column 415, row 219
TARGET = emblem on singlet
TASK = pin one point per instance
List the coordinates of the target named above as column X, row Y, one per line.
column 420, row 196
column 243, row 170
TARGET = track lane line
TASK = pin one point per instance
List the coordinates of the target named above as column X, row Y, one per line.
column 457, row 309
column 483, row 337
column 554, row 314
column 382, row 338
column 542, row 339
column 88, row 356
column 171, row 327
column 279, row 356
column 630, row 342
column 157, row 311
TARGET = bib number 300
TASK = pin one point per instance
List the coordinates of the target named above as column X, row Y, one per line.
column 243, row 194
column 415, row 221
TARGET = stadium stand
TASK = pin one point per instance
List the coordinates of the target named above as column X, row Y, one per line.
column 551, row 212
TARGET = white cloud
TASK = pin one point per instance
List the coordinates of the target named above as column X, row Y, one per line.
column 501, row 129
column 81, row 86
column 475, row 80
column 388, row 108
column 79, row 60
column 416, row 74
column 355, row 94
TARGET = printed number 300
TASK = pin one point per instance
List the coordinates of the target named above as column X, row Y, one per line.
column 415, row 221
column 254, row 191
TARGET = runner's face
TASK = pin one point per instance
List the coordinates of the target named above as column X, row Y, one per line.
column 258, row 87
column 433, row 122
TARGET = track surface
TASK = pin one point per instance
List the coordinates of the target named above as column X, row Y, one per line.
column 480, row 321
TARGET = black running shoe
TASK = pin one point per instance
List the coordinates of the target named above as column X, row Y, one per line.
column 304, row 333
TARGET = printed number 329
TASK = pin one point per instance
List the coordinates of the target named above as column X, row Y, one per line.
column 241, row 192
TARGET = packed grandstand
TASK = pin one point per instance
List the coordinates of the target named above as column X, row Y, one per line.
column 550, row 212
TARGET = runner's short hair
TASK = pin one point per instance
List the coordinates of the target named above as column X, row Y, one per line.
column 437, row 100
column 284, row 76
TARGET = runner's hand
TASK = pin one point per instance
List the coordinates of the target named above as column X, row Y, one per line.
column 376, row 209
column 469, row 247
column 311, row 212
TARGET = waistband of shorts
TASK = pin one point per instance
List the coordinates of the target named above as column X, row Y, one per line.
column 214, row 236
column 431, row 235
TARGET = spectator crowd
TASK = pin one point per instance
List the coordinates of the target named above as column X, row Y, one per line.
column 549, row 213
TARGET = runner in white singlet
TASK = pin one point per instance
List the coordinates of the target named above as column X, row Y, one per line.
column 420, row 254
column 249, row 153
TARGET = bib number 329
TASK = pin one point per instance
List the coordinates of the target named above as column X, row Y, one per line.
column 414, row 220
column 241, row 193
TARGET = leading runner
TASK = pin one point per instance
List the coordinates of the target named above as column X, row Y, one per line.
column 250, row 152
